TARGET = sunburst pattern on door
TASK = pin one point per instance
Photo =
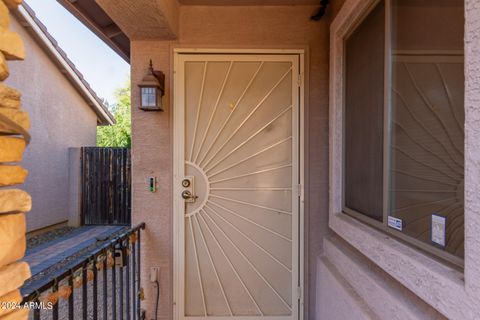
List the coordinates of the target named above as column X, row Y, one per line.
column 238, row 149
column 427, row 147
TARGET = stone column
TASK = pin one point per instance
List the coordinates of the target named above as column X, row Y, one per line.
column 14, row 202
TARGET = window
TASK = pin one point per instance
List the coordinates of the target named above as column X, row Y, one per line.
column 404, row 123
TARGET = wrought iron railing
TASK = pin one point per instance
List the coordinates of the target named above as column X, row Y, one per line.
column 103, row 284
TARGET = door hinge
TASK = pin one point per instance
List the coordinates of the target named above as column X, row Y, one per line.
column 299, row 190
column 299, row 293
column 299, row 79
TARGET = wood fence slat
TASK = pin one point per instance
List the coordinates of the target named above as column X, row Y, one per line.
column 114, row 197
column 116, row 183
column 124, row 198
column 94, row 177
column 101, row 179
column 109, row 194
column 83, row 184
column 129, row 183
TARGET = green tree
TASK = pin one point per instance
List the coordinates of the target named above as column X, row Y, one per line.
column 120, row 134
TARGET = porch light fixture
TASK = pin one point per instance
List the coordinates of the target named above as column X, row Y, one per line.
column 152, row 89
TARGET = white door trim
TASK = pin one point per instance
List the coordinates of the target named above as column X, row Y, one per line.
column 178, row 168
column 238, row 51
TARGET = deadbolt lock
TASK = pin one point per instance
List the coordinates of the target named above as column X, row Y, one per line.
column 186, row 183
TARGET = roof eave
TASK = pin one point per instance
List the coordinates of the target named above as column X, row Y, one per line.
column 102, row 33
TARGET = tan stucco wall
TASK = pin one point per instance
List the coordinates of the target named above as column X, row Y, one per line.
column 159, row 18
column 227, row 27
column 472, row 146
column 60, row 119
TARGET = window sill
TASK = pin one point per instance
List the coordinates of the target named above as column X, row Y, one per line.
column 429, row 279
column 443, row 257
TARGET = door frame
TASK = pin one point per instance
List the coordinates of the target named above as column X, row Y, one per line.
column 178, row 173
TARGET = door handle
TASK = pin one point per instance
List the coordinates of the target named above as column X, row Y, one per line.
column 187, row 195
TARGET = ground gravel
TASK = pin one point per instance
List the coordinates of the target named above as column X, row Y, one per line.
column 38, row 239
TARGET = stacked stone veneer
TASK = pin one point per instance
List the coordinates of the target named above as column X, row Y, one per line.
column 14, row 203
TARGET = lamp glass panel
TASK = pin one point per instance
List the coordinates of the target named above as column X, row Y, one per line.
column 149, row 97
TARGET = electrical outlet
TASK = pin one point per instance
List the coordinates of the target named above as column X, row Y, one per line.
column 154, row 272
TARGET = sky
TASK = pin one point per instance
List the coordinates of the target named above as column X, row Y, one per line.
column 101, row 66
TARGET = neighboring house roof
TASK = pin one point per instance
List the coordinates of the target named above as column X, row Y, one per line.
column 93, row 16
column 27, row 18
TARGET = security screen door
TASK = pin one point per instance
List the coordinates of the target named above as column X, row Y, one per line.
column 236, row 186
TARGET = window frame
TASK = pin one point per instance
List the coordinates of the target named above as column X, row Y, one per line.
column 431, row 280
column 387, row 135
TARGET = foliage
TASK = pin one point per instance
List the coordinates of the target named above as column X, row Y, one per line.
column 120, row 134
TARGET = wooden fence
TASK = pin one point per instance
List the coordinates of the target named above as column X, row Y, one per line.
column 106, row 186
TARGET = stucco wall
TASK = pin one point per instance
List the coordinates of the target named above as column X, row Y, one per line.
column 366, row 290
column 336, row 298
column 227, row 27
column 60, row 119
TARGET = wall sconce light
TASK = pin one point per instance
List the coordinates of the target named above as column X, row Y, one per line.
column 152, row 89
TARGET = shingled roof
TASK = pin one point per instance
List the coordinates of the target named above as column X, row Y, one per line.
column 28, row 19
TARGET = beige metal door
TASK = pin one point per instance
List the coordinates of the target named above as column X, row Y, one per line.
column 237, row 198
